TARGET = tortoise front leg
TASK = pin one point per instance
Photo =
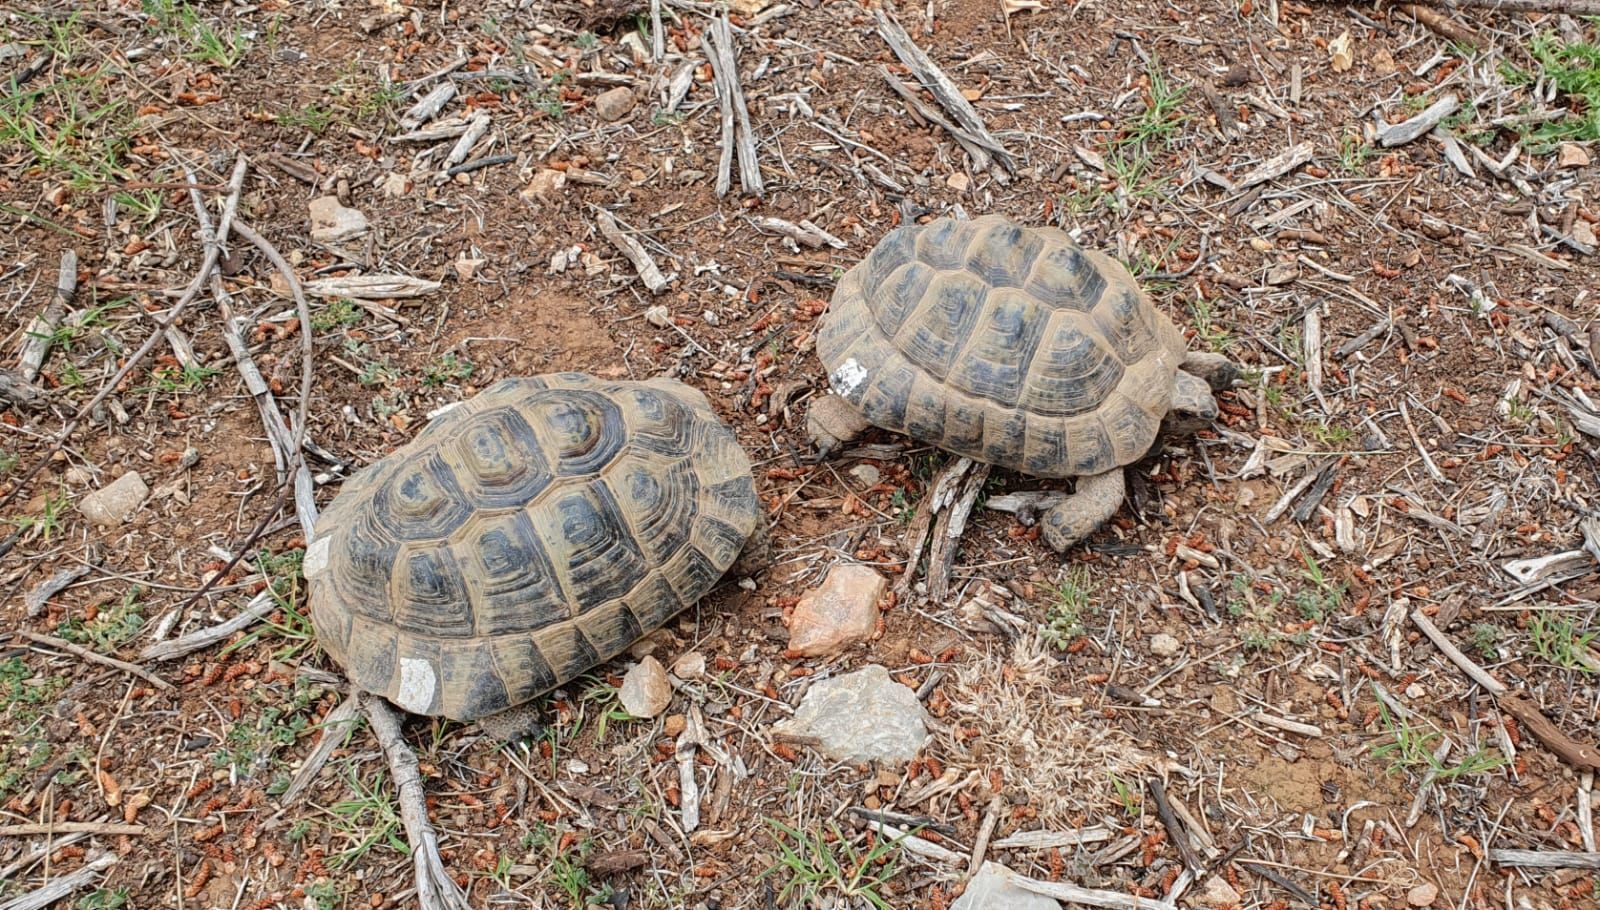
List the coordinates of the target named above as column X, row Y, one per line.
column 1091, row 504
column 832, row 421
column 514, row 723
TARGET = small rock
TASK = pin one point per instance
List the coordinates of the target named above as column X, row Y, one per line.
column 1216, row 894
column 467, row 269
column 1415, row 691
column 1583, row 233
column 331, row 222
column 1570, row 154
column 1423, row 895
column 1282, row 273
column 115, row 503
column 674, row 724
column 992, row 889
column 843, row 611
column 1164, row 645
column 866, row 475
column 658, row 316
column 692, row 665
column 395, row 184
column 645, row 691
column 577, row 767
column 544, row 182
column 861, row 717
column 614, row 104
column 748, row 8
column 958, row 182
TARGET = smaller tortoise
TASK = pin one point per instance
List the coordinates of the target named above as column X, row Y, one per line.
column 526, row 536
column 1012, row 346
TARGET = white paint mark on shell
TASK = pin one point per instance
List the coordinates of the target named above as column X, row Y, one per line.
column 316, row 558
column 417, row 682
column 848, row 377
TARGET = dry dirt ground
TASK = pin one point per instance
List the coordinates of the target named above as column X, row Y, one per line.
column 1419, row 338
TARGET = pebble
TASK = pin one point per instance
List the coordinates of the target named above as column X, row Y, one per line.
column 544, row 182
column 861, row 717
column 614, row 104
column 1164, row 645
column 645, row 691
column 1423, row 895
column 331, row 222
column 395, row 184
column 866, row 475
column 691, row 665
column 1216, row 894
column 1570, row 154
column 843, row 611
column 116, row 502
column 992, row 889
column 674, row 724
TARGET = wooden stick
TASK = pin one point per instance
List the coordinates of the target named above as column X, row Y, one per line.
column 95, row 657
column 1447, row 647
column 1545, row 859
column 725, row 71
column 31, row 830
column 50, row 587
column 1570, row 7
column 336, row 728
column 1445, row 26
column 1175, row 830
column 920, row 846
column 980, row 846
column 1090, row 897
column 36, row 343
column 62, row 886
column 944, row 91
column 258, row 607
column 634, row 252
column 436, row 890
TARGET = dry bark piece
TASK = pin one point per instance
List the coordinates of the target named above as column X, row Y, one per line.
column 634, row 252
column 36, row 341
column 1414, row 128
column 1545, row 859
column 1278, row 165
column 737, row 138
column 62, row 885
column 371, row 287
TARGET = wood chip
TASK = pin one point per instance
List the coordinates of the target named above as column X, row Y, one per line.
column 372, row 287
column 1278, row 165
column 1414, row 128
column 634, row 252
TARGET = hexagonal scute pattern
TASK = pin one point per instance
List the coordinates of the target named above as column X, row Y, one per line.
column 1006, row 344
column 545, row 526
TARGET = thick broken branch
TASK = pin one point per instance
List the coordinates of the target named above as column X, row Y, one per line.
column 944, row 91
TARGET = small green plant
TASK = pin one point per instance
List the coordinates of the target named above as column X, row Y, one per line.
column 286, row 581
column 251, row 746
column 1412, row 748
column 1574, row 70
column 1486, row 641
column 447, row 369
column 1354, row 153
column 588, row 41
column 48, row 522
column 1520, row 412
column 310, row 119
column 1064, row 624
column 817, row 863
column 1324, row 596
column 9, row 462
column 339, row 313
column 104, row 899
column 325, row 895
column 364, row 820
column 111, row 627
column 207, row 43
column 1131, row 801
column 1559, row 641
column 172, row 380
column 1214, row 337
column 1329, row 435
column 25, row 698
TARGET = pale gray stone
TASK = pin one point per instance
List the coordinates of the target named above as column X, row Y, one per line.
column 861, row 717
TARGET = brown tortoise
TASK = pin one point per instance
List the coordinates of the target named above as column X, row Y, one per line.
column 526, row 536
column 1013, row 346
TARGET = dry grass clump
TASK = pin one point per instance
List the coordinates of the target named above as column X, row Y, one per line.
column 1066, row 765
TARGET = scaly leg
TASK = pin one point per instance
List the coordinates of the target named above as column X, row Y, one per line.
column 1095, row 500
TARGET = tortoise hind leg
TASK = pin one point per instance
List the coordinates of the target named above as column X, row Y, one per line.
column 1092, row 503
column 514, row 723
column 757, row 552
column 832, row 421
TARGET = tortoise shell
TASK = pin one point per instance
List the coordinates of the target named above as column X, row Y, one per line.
column 524, row 537
column 1009, row 345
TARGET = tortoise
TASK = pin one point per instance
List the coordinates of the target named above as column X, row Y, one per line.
column 526, row 536
column 1014, row 346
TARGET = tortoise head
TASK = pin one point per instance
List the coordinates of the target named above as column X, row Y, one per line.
column 1193, row 405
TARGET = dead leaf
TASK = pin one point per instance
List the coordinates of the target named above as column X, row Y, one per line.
column 1339, row 50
